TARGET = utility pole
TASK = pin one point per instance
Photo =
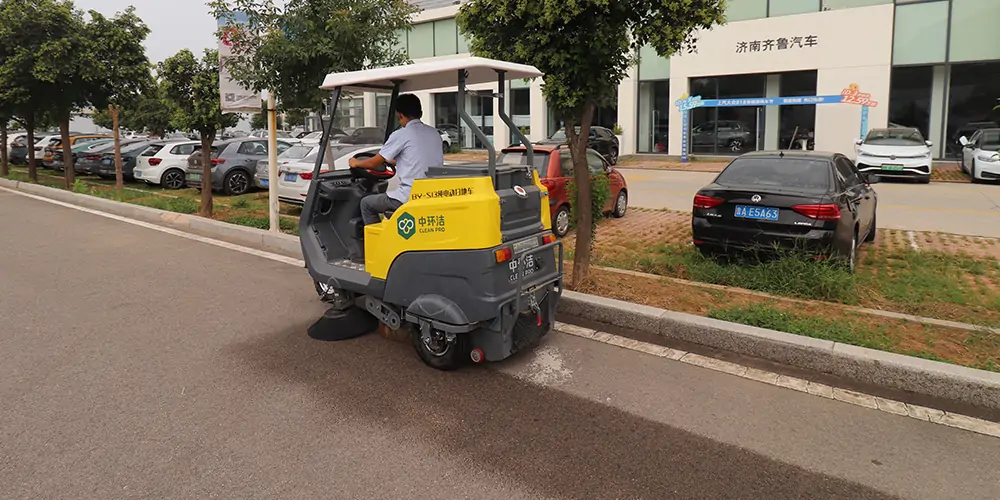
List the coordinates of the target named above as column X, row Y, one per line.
column 272, row 163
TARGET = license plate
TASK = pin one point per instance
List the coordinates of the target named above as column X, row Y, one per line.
column 291, row 177
column 264, row 183
column 137, row 173
column 194, row 177
column 892, row 167
column 758, row 213
column 105, row 162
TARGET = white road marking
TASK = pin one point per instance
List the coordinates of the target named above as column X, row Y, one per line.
column 548, row 368
column 229, row 246
column 913, row 240
column 796, row 384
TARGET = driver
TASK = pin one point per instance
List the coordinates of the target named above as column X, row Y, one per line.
column 412, row 148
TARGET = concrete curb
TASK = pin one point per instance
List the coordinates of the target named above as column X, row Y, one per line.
column 943, row 380
column 931, row 378
column 279, row 243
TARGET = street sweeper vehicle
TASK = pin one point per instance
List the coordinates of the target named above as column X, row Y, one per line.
column 468, row 266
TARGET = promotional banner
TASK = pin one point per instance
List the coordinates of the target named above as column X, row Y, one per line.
column 235, row 98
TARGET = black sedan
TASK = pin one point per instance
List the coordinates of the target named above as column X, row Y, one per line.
column 601, row 139
column 793, row 200
column 89, row 162
column 105, row 168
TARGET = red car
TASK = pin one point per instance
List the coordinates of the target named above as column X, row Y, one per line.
column 556, row 168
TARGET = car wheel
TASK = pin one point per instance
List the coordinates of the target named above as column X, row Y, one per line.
column 444, row 147
column 850, row 260
column 621, row 205
column 736, row 145
column 236, row 183
column 871, row 232
column 925, row 179
column 613, row 156
column 962, row 164
column 972, row 172
column 440, row 352
column 172, row 179
column 561, row 221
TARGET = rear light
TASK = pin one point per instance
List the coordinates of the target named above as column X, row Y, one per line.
column 548, row 238
column 93, row 157
column 503, row 255
column 218, row 161
column 548, row 183
column 826, row 211
column 154, row 161
column 309, row 175
column 705, row 202
column 698, row 242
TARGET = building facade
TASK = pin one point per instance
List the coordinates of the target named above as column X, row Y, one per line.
column 929, row 64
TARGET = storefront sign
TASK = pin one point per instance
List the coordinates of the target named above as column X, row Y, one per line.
column 852, row 95
column 772, row 44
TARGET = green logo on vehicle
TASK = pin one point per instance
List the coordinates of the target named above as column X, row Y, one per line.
column 406, row 226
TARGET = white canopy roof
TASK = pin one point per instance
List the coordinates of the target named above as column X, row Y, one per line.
column 428, row 75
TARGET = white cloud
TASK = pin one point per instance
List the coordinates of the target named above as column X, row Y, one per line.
column 174, row 24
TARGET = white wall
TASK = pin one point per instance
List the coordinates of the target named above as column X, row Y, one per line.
column 853, row 46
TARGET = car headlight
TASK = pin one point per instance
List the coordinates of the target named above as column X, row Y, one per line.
column 988, row 158
column 862, row 152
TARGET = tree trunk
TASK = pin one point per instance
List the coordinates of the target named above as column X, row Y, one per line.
column 584, row 209
column 66, row 149
column 32, row 169
column 3, row 148
column 119, row 177
column 206, row 172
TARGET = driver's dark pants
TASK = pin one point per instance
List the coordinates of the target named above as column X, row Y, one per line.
column 373, row 205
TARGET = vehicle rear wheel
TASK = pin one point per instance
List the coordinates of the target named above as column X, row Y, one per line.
column 850, row 260
column 972, row 172
column 561, row 221
column 442, row 351
column 621, row 205
column 237, row 182
column 172, row 179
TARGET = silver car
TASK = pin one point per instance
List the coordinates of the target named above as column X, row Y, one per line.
column 233, row 164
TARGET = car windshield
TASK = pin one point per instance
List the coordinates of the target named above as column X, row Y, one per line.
column 561, row 133
column 539, row 158
column 296, row 152
column 314, row 135
column 798, row 173
column 990, row 140
column 895, row 137
column 92, row 145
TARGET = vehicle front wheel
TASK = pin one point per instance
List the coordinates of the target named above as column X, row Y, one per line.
column 621, row 205
column 561, row 221
column 442, row 351
column 736, row 145
column 613, row 156
column 237, row 182
column 444, row 147
column 925, row 179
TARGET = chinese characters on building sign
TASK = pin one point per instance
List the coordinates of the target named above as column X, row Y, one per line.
column 795, row 42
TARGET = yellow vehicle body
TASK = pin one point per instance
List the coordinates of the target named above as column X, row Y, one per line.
column 448, row 213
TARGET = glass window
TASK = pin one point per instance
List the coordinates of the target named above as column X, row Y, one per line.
column 652, row 66
column 971, row 98
column 539, row 158
column 797, row 124
column 595, row 163
column 989, row 139
column 847, row 4
column 463, row 44
column 421, row 41
column 296, row 152
column 520, row 112
column 400, row 40
column 806, row 174
column 846, row 172
column 894, row 137
column 920, row 33
column 910, row 97
column 283, row 146
column 789, row 7
column 445, row 37
column 152, row 150
column 252, row 148
column 726, row 130
column 566, row 164
column 740, row 10
column 654, row 113
column 183, row 149
column 974, row 33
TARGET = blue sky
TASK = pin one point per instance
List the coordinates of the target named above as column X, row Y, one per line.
column 174, row 24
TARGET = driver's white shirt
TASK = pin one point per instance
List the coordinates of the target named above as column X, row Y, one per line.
column 415, row 148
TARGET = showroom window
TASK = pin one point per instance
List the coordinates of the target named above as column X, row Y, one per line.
column 741, row 10
column 445, row 37
column 974, row 33
column 654, row 115
column 606, row 116
column 848, row 4
column 797, row 124
column 974, row 90
column 421, row 41
column 921, row 33
column 726, row 130
column 791, row 7
column 520, row 112
column 910, row 97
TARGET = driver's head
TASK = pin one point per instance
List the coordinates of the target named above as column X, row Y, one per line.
column 408, row 108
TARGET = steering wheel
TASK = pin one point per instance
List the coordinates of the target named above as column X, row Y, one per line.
column 384, row 172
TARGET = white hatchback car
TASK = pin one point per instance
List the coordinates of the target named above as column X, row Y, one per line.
column 895, row 152
column 980, row 156
column 164, row 164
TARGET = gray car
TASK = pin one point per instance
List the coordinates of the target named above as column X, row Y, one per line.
column 233, row 164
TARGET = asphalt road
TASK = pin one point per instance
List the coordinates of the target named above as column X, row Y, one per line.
column 969, row 209
column 138, row 364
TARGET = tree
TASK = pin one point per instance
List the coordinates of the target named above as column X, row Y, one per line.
column 116, row 72
column 151, row 113
column 192, row 87
column 30, row 31
column 290, row 51
column 296, row 117
column 258, row 121
column 584, row 48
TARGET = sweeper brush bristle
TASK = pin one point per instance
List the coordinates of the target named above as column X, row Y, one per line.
column 342, row 325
